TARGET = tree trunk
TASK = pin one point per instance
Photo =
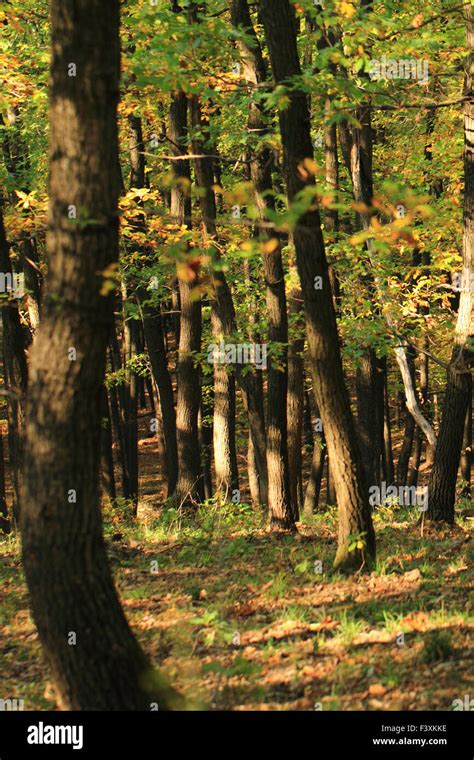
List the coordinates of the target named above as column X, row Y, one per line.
column 295, row 404
column 442, row 485
column 107, row 460
column 189, row 486
column 95, row 660
column 282, row 509
column 389, row 470
column 466, row 454
column 153, row 323
column 15, row 374
column 323, row 340
column 225, row 453
column 313, row 488
column 4, row 521
column 130, row 329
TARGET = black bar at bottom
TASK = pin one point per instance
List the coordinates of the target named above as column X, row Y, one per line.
column 370, row 734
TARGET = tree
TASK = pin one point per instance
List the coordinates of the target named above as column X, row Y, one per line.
column 95, row 660
column 282, row 509
column 442, row 485
column 323, row 341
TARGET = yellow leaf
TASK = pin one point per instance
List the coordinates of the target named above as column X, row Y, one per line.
column 270, row 245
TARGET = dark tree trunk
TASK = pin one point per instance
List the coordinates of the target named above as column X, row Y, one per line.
column 117, row 405
column 442, row 485
column 15, row 375
column 331, row 495
column 323, row 340
column 295, row 404
column 389, row 470
column 368, row 416
column 95, row 661
column 130, row 330
column 107, row 460
column 154, row 337
column 4, row 521
column 332, row 168
column 466, row 454
column 153, row 323
column 189, row 486
column 205, row 439
column 313, row 488
column 225, row 453
column 282, row 509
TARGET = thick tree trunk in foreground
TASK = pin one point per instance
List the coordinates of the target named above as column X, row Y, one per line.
column 323, row 340
column 95, row 660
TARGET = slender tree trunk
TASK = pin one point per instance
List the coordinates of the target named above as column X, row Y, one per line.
column 15, row 374
column 153, row 323
column 4, row 521
column 466, row 454
column 95, row 661
column 368, row 418
column 205, row 440
column 282, row 509
column 189, row 486
column 225, row 453
column 295, row 405
column 313, row 488
column 107, row 460
column 117, row 404
column 389, row 470
column 323, row 340
column 131, row 409
column 332, row 167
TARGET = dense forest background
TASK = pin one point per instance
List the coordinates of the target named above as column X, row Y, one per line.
column 236, row 254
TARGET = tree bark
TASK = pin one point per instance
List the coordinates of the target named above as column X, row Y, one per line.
column 95, row 660
column 323, row 340
column 189, row 486
column 442, row 485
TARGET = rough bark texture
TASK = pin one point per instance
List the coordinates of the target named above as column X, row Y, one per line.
column 323, row 340
column 442, row 485
column 66, row 567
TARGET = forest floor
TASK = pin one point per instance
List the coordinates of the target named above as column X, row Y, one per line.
column 241, row 619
